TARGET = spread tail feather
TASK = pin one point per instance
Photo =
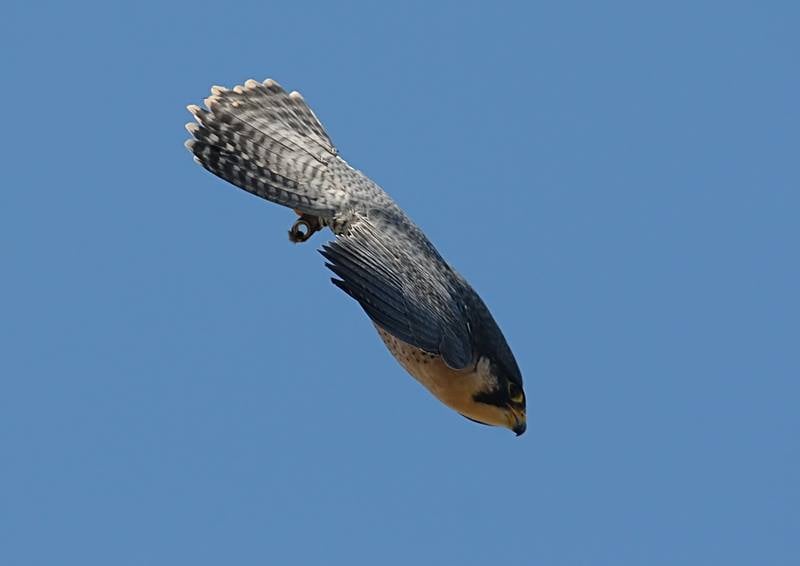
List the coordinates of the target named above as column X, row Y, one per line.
column 267, row 142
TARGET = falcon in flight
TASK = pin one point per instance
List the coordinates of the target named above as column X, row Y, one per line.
column 269, row 143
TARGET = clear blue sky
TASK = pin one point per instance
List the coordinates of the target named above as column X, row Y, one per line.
column 181, row 385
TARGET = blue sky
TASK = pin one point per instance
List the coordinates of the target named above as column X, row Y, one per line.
column 181, row 385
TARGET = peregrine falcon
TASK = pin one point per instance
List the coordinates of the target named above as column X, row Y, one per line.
column 269, row 143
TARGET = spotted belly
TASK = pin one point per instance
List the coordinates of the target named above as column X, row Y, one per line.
column 426, row 368
column 454, row 388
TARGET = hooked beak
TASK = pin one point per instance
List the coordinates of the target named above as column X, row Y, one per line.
column 519, row 423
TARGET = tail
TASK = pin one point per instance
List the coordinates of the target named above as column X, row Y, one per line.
column 267, row 142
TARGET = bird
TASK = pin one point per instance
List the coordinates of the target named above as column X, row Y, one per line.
column 267, row 141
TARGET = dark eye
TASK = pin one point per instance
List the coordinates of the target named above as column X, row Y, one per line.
column 515, row 392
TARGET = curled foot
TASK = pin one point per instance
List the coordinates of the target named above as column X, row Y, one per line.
column 304, row 228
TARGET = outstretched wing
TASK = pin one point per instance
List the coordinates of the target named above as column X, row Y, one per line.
column 401, row 282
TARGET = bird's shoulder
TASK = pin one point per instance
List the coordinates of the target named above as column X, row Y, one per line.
column 385, row 262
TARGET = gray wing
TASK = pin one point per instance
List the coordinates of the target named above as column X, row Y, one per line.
column 387, row 265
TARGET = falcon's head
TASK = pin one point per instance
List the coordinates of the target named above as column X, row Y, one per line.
column 497, row 397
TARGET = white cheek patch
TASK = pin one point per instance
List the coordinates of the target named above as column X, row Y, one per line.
column 485, row 381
